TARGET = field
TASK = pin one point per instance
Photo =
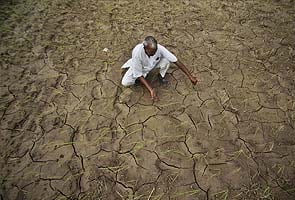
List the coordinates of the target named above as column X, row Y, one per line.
column 70, row 130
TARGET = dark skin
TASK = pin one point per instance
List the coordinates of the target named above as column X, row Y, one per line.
column 150, row 52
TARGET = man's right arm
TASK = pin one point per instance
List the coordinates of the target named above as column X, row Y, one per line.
column 138, row 71
column 149, row 87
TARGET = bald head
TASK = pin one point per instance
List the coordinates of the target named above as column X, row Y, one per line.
column 150, row 45
column 150, row 41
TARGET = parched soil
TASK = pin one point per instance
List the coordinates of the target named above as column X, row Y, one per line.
column 69, row 130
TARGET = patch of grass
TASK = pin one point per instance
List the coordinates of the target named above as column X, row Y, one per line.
column 222, row 195
column 186, row 193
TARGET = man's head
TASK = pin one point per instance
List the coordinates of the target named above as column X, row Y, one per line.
column 150, row 45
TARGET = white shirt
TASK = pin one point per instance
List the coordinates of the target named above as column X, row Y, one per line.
column 141, row 63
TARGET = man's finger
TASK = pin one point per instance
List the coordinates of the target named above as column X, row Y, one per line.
column 155, row 98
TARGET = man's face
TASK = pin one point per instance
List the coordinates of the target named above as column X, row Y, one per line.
column 150, row 51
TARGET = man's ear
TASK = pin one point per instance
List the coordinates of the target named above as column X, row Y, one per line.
column 145, row 43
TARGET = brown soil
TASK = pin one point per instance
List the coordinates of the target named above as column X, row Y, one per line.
column 69, row 130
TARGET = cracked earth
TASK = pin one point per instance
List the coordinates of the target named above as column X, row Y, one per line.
column 69, row 130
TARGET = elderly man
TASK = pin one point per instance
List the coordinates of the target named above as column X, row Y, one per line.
column 147, row 56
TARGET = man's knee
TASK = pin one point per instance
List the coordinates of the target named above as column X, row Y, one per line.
column 165, row 60
column 126, row 83
column 164, row 63
column 127, row 78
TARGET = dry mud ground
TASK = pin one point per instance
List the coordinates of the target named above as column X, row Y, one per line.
column 69, row 130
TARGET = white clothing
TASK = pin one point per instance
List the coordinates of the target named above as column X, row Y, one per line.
column 141, row 64
column 129, row 78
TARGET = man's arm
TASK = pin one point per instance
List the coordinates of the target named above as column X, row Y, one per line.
column 149, row 87
column 172, row 58
column 183, row 68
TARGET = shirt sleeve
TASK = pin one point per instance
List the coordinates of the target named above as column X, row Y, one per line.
column 136, row 61
column 137, row 68
column 167, row 54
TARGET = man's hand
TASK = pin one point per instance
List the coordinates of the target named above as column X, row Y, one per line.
column 149, row 87
column 194, row 80
column 154, row 95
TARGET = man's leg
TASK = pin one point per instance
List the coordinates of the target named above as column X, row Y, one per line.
column 163, row 65
column 128, row 78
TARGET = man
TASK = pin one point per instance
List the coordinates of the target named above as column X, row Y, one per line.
column 147, row 56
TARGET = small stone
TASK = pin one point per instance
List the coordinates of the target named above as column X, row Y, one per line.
column 105, row 50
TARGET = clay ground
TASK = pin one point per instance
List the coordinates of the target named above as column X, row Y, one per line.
column 69, row 130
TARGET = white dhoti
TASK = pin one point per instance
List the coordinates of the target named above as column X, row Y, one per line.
column 129, row 78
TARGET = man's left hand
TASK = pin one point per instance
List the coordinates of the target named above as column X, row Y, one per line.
column 194, row 80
